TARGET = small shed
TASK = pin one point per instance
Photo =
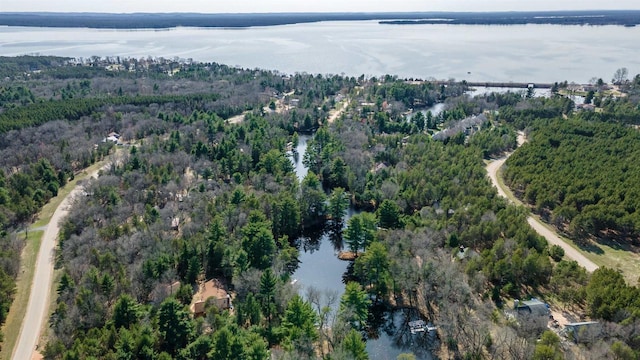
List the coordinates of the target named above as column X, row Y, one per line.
column 583, row 332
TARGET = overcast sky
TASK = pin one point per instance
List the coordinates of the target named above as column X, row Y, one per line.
column 240, row 6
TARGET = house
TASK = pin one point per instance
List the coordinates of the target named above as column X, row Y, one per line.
column 163, row 291
column 583, row 332
column 586, row 107
column 175, row 223
column 173, row 288
column 532, row 314
column 113, row 137
column 468, row 125
column 210, row 292
column 379, row 167
column 114, row 67
column 533, row 307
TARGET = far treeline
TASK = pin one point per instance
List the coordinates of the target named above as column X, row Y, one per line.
column 170, row 20
column 196, row 197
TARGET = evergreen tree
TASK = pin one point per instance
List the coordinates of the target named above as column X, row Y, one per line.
column 267, row 293
column 338, row 204
column 176, row 328
column 354, row 345
column 354, row 305
column 125, row 312
column 389, row 215
column 299, row 325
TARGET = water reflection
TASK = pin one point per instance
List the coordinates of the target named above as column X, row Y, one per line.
column 334, row 231
column 310, row 240
column 319, row 265
column 389, row 335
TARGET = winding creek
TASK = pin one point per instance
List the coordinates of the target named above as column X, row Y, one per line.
column 321, row 269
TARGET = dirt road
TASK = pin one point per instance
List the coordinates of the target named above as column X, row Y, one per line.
column 335, row 113
column 37, row 308
column 569, row 252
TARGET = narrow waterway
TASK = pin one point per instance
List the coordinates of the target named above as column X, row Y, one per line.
column 319, row 263
column 320, row 268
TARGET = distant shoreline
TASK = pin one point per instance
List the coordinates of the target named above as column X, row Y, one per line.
column 627, row 18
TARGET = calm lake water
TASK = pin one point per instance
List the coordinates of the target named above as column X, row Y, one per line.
column 519, row 53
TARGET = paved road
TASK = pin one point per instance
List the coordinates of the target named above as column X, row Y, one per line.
column 537, row 225
column 37, row 309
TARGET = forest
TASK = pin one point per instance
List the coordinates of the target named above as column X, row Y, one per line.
column 192, row 194
column 582, row 177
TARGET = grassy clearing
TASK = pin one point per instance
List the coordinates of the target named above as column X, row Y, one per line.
column 18, row 308
column 628, row 262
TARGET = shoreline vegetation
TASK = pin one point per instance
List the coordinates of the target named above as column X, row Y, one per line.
column 627, row 18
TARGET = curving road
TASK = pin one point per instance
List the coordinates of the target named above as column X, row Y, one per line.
column 37, row 308
column 570, row 252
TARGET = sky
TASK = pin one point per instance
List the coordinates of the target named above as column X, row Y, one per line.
column 261, row 6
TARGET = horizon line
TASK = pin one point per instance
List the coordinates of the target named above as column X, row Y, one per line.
column 314, row 12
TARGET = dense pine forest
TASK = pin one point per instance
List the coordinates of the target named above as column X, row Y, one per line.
column 583, row 176
column 200, row 189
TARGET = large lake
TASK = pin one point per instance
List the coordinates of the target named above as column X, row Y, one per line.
column 519, row 53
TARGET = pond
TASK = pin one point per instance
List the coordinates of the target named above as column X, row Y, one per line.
column 389, row 334
column 435, row 110
column 319, row 264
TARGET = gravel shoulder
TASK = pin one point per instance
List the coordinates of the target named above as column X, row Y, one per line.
column 542, row 229
column 37, row 307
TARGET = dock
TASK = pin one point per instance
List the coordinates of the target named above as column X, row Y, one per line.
column 418, row 326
